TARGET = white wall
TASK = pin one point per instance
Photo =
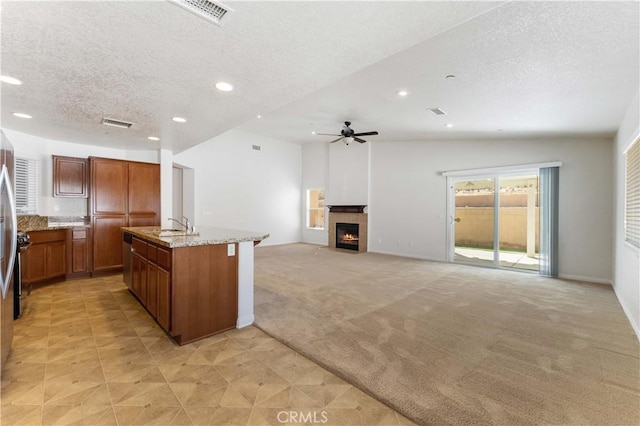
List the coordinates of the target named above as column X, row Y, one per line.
column 626, row 282
column 408, row 196
column 348, row 174
column 42, row 149
column 315, row 163
column 237, row 187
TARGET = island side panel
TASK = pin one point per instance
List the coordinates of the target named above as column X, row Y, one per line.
column 245, row 284
column 204, row 291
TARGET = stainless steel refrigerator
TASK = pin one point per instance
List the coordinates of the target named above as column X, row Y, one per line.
column 8, row 244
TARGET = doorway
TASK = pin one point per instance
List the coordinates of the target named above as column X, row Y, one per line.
column 495, row 220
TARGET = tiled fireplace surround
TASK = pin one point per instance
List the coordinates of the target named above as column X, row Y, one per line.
column 349, row 214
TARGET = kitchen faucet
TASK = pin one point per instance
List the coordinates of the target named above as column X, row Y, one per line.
column 186, row 225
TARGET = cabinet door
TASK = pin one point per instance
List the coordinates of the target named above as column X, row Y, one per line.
column 70, row 177
column 78, row 251
column 144, row 191
column 152, row 289
column 56, row 263
column 107, row 242
column 33, row 262
column 136, row 273
column 164, row 299
column 109, row 186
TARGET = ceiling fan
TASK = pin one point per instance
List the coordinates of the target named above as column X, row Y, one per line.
column 348, row 135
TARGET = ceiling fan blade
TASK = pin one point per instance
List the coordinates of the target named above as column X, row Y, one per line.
column 339, row 139
column 359, row 140
column 327, row 134
column 365, row 134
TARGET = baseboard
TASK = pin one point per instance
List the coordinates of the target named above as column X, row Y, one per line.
column 411, row 256
column 244, row 321
column 586, row 279
column 634, row 326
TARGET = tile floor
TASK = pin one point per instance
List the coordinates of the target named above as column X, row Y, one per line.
column 85, row 352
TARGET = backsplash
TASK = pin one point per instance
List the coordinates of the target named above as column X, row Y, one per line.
column 29, row 222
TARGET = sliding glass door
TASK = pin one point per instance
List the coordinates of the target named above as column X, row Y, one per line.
column 474, row 221
column 494, row 220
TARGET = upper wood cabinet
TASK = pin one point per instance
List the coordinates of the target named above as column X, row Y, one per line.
column 144, row 189
column 109, row 186
column 70, row 177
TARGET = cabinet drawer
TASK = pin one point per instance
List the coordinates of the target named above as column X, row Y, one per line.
column 47, row 236
column 164, row 258
column 79, row 234
column 139, row 246
column 152, row 253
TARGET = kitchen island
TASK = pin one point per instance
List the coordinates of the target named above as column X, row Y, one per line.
column 193, row 284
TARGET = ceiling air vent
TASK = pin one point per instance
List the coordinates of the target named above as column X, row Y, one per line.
column 436, row 111
column 212, row 11
column 116, row 123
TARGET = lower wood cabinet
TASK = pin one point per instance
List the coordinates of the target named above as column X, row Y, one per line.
column 151, row 279
column 78, row 253
column 46, row 258
column 191, row 291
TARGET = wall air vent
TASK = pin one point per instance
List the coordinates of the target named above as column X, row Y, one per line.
column 116, row 123
column 211, row 10
column 436, row 111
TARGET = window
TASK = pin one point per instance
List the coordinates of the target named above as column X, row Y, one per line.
column 26, row 186
column 632, row 195
column 315, row 208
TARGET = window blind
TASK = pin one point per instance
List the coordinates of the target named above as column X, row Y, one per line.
column 549, row 213
column 26, row 186
column 632, row 195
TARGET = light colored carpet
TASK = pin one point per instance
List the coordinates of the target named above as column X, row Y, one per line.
column 452, row 344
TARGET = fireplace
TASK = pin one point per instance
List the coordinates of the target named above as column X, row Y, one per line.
column 347, row 236
column 348, row 227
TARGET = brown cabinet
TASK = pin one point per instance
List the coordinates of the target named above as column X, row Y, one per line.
column 78, row 253
column 150, row 280
column 123, row 193
column 70, row 177
column 192, row 292
column 46, row 259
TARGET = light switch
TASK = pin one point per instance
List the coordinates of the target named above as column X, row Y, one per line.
column 231, row 249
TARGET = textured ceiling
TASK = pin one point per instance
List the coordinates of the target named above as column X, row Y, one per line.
column 529, row 68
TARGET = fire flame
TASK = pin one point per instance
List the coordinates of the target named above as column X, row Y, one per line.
column 349, row 237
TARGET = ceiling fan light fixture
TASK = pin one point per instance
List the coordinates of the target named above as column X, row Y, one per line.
column 348, row 140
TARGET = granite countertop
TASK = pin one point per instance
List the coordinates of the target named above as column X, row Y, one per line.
column 206, row 236
column 30, row 223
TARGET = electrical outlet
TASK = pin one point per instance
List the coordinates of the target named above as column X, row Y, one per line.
column 231, row 249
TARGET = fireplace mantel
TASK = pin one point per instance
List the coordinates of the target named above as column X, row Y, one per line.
column 347, row 209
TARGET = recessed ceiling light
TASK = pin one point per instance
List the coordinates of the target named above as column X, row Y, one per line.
column 22, row 115
column 403, row 93
column 450, row 76
column 224, row 86
column 259, row 116
column 313, row 133
column 153, row 138
column 179, row 119
column 449, row 125
column 10, row 80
